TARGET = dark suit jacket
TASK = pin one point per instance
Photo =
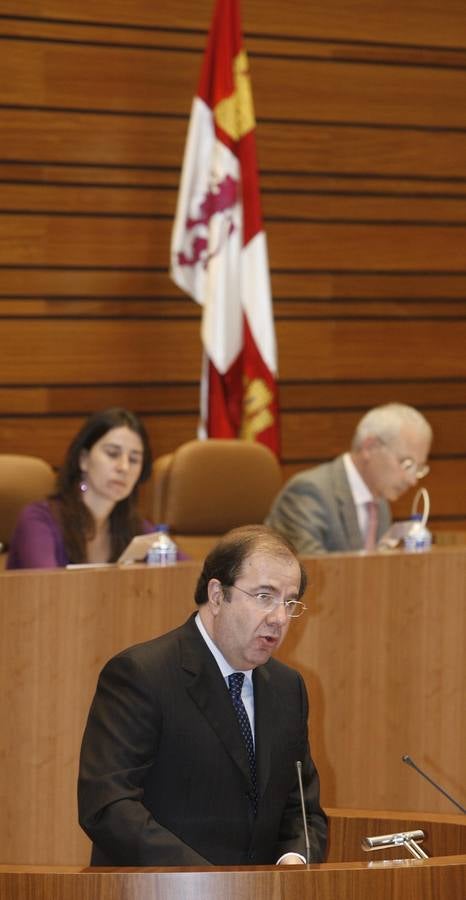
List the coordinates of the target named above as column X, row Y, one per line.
column 164, row 777
column 316, row 511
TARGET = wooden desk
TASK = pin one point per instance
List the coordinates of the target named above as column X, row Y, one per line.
column 383, row 875
column 443, row 878
column 382, row 649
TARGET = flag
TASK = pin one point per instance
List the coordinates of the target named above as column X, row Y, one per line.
column 219, row 249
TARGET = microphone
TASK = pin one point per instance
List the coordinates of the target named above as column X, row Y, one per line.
column 391, row 840
column 410, row 762
column 408, row 839
column 303, row 810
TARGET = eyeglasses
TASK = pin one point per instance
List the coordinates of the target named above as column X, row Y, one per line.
column 267, row 602
column 408, row 464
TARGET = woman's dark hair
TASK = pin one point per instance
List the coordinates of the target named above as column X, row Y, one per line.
column 225, row 561
column 75, row 519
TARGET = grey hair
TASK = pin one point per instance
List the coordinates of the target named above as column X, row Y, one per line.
column 386, row 421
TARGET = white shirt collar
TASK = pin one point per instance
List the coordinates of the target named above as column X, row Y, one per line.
column 222, row 663
column 358, row 487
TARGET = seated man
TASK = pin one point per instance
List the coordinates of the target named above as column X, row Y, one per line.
column 342, row 505
column 190, row 750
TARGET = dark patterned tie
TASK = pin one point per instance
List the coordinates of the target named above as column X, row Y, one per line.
column 235, row 684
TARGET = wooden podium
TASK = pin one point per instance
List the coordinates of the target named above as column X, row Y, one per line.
column 442, row 877
column 381, row 649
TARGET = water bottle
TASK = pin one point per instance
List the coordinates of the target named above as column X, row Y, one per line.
column 163, row 550
column 418, row 538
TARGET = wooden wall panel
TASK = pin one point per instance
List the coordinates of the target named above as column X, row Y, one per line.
column 86, row 352
column 157, row 349
column 317, row 204
column 422, row 23
column 49, row 437
column 289, row 150
column 322, row 433
column 105, row 77
column 362, row 150
column 134, row 242
column 86, row 139
column 346, row 348
column 330, row 431
column 118, row 78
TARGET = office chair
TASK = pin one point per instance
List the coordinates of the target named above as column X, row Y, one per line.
column 23, row 479
column 207, row 487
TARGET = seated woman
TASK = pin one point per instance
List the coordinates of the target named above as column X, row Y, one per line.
column 93, row 514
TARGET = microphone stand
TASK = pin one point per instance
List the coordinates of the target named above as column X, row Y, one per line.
column 410, row 762
column 303, row 811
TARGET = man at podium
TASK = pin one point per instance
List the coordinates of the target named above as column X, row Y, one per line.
column 190, row 752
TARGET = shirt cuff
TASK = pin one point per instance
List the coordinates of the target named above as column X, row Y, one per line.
column 292, row 853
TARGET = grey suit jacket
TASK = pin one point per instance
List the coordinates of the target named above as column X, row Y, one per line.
column 316, row 511
column 164, row 777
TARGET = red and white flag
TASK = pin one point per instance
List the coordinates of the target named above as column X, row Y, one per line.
column 218, row 248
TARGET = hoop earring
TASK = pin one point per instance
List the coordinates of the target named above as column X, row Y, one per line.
column 83, row 486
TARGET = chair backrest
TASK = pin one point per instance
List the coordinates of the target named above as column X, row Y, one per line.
column 23, row 479
column 207, row 487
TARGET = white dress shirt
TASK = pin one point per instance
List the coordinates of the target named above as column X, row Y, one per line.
column 247, row 691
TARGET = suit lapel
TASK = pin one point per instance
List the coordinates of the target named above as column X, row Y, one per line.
column 206, row 686
column 265, row 721
column 384, row 519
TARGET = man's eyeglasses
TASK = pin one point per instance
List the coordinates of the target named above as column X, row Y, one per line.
column 267, row 602
column 408, row 464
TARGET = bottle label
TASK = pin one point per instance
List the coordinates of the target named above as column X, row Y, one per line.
column 163, row 550
column 418, row 540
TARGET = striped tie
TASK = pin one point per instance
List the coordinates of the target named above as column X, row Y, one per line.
column 372, row 522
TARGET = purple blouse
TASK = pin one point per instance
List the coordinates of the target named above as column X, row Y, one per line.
column 37, row 541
